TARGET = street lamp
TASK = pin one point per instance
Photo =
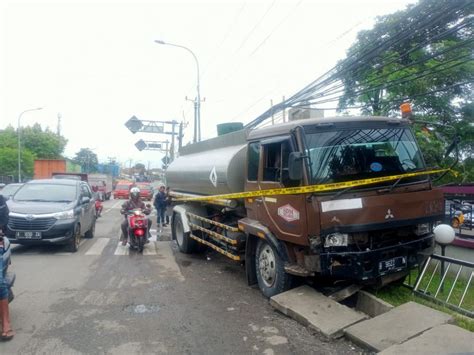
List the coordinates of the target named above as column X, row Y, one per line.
column 19, row 139
column 197, row 101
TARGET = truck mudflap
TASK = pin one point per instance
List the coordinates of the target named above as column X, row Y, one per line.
column 373, row 265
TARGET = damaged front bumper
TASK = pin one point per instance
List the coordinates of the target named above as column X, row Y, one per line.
column 372, row 265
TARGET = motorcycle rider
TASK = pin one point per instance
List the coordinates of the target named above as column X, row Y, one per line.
column 133, row 203
column 7, row 332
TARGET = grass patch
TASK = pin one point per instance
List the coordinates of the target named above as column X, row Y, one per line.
column 397, row 295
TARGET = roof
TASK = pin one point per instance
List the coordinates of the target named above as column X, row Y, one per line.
column 55, row 181
column 285, row 128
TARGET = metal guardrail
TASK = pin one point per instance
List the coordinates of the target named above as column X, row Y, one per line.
column 436, row 283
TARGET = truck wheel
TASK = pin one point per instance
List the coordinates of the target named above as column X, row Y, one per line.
column 271, row 276
column 185, row 243
column 73, row 245
column 90, row 233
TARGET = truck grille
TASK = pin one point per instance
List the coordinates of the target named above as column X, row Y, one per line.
column 36, row 224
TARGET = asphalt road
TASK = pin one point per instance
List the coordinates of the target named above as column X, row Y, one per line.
column 105, row 299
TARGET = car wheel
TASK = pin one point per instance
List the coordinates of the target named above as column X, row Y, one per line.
column 185, row 243
column 74, row 242
column 271, row 276
column 90, row 233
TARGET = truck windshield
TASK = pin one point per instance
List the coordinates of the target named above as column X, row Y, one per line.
column 363, row 153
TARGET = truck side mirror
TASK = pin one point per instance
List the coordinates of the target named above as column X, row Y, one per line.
column 295, row 165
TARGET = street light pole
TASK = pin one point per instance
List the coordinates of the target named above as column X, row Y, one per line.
column 19, row 139
column 197, row 101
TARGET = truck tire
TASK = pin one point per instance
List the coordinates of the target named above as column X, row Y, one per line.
column 271, row 276
column 185, row 243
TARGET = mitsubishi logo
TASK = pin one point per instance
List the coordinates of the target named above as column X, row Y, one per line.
column 389, row 214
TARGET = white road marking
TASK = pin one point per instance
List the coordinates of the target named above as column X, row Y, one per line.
column 122, row 249
column 150, row 249
column 111, row 208
column 98, row 247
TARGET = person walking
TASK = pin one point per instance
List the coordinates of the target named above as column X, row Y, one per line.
column 160, row 205
column 7, row 332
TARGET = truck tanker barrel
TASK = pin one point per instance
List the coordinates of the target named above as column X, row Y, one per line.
column 211, row 167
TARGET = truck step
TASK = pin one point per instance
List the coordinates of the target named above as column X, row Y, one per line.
column 216, row 248
column 214, row 235
column 210, row 221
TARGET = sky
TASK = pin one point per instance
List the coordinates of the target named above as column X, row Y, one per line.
column 95, row 63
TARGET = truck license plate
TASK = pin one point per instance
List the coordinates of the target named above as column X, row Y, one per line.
column 395, row 264
column 28, row 235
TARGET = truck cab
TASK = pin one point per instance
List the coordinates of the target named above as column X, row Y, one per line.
column 369, row 233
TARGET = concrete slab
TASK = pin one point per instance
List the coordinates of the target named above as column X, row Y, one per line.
column 317, row 311
column 443, row 339
column 396, row 326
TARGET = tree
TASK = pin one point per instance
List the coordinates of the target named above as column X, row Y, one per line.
column 9, row 162
column 422, row 55
column 36, row 143
column 87, row 159
column 45, row 143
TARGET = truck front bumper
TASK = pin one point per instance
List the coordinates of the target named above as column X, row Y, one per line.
column 372, row 265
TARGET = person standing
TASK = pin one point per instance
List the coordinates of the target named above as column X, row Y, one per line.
column 160, row 205
column 7, row 332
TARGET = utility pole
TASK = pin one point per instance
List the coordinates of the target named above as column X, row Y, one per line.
column 58, row 129
column 180, row 136
column 173, row 132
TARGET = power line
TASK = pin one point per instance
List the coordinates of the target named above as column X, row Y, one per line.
column 383, row 44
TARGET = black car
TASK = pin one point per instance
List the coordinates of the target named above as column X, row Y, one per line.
column 53, row 211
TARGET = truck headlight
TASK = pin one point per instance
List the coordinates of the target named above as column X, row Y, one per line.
column 422, row 228
column 64, row 215
column 336, row 240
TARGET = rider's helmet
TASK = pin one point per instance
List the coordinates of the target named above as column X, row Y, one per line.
column 134, row 193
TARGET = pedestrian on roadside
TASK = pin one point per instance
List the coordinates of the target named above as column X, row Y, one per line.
column 169, row 207
column 160, row 205
column 7, row 332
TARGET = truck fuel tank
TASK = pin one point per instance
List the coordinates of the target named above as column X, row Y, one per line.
column 211, row 167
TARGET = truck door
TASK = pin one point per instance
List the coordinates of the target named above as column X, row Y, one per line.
column 87, row 209
column 284, row 215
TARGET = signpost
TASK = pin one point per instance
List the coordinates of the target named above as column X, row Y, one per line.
column 135, row 125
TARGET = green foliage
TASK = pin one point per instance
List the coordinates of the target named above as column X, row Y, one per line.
column 9, row 162
column 87, row 159
column 36, row 143
column 427, row 63
column 45, row 144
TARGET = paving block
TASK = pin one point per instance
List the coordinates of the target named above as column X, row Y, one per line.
column 442, row 339
column 396, row 326
column 313, row 309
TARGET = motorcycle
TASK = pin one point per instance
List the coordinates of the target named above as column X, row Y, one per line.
column 137, row 229
column 98, row 207
column 9, row 276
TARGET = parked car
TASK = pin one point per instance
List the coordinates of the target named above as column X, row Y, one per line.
column 146, row 191
column 10, row 189
column 52, row 211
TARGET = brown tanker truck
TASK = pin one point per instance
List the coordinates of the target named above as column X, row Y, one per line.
column 369, row 234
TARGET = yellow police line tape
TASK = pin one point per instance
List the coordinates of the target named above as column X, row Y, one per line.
column 311, row 188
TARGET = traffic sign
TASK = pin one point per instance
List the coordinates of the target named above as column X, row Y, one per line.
column 141, row 145
column 154, row 145
column 134, row 124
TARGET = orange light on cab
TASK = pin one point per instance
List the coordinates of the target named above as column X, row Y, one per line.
column 405, row 108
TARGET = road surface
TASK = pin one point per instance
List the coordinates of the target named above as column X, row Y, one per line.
column 106, row 299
